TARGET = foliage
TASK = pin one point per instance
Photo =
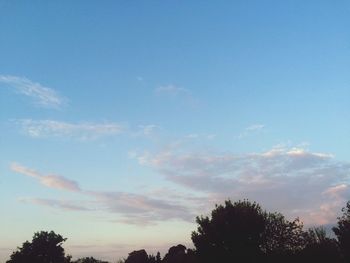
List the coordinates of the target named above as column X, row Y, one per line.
column 281, row 236
column 320, row 248
column 342, row 231
column 138, row 256
column 89, row 260
column 44, row 248
column 233, row 231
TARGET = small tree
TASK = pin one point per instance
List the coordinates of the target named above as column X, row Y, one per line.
column 46, row 247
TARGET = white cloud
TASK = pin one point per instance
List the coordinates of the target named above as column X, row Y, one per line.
column 81, row 131
column 51, row 181
column 44, row 96
column 294, row 181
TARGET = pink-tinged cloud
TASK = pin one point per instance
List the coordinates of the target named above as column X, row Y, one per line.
column 51, row 181
column 293, row 181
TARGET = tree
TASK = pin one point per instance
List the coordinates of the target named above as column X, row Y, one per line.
column 342, row 231
column 158, row 258
column 242, row 230
column 175, row 254
column 89, row 260
column 282, row 238
column 320, row 248
column 46, row 247
column 234, row 231
column 138, row 256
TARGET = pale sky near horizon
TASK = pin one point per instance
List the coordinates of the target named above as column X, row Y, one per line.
column 121, row 121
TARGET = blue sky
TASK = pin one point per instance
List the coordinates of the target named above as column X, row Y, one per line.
column 122, row 120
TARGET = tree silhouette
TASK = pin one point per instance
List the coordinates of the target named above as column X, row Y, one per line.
column 320, row 248
column 234, row 231
column 138, row 256
column 89, row 260
column 342, row 231
column 281, row 238
column 44, row 248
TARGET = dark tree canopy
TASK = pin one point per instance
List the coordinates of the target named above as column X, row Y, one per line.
column 89, row 260
column 46, row 247
column 233, row 231
column 320, row 248
column 138, row 256
column 342, row 231
column 281, row 236
column 179, row 254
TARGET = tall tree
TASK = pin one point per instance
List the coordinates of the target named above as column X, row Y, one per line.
column 282, row 238
column 46, row 247
column 234, row 231
column 320, row 248
column 342, row 231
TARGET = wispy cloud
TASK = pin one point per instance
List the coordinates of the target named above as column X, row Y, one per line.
column 294, row 181
column 147, row 129
column 60, row 204
column 81, row 131
column 43, row 96
column 141, row 209
column 174, row 91
column 51, row 181
column 171, row 90
column 128, row 208
column 255, row 127
column 250, row 130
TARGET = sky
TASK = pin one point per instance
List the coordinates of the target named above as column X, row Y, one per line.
column 121, row 121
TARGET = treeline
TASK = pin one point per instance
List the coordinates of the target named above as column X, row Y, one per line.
column 239, row 232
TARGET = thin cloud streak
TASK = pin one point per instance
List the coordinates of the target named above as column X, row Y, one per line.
column 59, row 204
column 51, row 181
column 251, row 130
column 43, row 96
column 171, row 90
column 81, row 131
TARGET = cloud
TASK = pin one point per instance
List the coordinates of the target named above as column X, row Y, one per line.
column 171, row 90
column 250, row 130
column 129, row 208
column 61, row 204
column 51, row 181
column 294, row 181
column 81, row 131
column 182, row 94
column 43, row 96
column 147, row 130
column 141, row 209
column 255, row 127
